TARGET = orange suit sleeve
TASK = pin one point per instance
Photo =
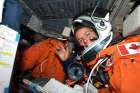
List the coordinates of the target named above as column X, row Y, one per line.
column 31, row 56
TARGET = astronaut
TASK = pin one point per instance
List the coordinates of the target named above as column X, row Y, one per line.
column 116, row 66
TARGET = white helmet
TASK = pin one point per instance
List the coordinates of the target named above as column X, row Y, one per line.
column 102, row 27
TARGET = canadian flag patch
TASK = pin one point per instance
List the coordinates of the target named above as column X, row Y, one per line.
column 129, row 48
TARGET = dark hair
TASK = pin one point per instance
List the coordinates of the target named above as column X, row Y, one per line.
column 76, row 30
column 87, row 24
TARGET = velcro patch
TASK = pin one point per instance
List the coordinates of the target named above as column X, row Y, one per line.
column 129, row 48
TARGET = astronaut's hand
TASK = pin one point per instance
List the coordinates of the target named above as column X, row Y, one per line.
column 63, row 52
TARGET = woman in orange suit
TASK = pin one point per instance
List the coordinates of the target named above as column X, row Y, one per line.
column 119, row 73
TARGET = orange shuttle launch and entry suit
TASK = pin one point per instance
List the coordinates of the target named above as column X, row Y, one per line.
column 42, row 60
column 124, row 73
